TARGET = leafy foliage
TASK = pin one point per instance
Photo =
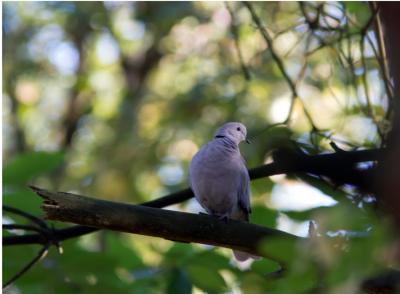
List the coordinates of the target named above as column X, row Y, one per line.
column 27, row 166
column 112, row 99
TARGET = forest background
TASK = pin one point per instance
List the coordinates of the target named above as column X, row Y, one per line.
column 112, row 99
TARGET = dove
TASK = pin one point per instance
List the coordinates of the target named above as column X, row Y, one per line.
column 219, row 178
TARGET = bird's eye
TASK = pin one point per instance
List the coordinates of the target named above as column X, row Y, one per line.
column 238, row 128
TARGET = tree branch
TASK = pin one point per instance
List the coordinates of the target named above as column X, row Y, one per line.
column 58, row 234
column 23, row 227
column 31, row 217
column 382, row 58
column 170, row 225
column 389, row 169
column 46, row 237
column 339, row 166
column 167, row 224
column 286, row 162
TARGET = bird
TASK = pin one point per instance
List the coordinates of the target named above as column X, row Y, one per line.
column 220, row 180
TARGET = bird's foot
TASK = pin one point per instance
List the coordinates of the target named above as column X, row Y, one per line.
column 220, row 217
column 224, row 216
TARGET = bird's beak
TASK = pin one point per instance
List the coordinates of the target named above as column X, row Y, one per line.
column 247, row 140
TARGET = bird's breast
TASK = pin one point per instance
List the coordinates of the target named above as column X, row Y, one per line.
column 214, row 179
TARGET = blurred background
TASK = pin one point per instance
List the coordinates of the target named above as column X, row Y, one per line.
column 112, row 99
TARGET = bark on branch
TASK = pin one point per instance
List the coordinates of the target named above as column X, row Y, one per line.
column 170, row 225
column 182, row 227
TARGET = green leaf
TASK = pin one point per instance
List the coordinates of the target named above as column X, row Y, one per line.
column 254, row 282
column 206, row 278
column 179, row 283
column 264, row 216
column 361, row 11
column 178, row 254
column 84, row 262
column 25, row 200
column 281, row 249
column 265, row 266
column 212, row 259
column 303, row 279
column 277, row 138
column 126, row 254
column 25, row 166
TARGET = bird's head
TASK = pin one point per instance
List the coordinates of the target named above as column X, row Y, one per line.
column 233, row 130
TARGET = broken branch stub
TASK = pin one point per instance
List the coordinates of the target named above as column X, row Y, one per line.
column 170, row 225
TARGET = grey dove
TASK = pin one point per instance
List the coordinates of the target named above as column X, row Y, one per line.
column 219, row 178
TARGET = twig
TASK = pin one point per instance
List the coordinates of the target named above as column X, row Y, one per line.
column 268, row 39
column 276, row 275
column 374, row 14
column 42, row 253
column 386, row 78
column 59, row 234
column 312, row 232
column 297, row 83
column 306, row 16
column 24, row 227
column 171, row 199
column 235, row 33
column 383, row 58
column 350, row 62
column 335, row 147
column 304, row 66
column 31, row 217
column 46, row 236
column 364, row 75
column 333, row 42
column 366, row 90
column 295, row 45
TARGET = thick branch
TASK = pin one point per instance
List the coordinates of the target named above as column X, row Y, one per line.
column 170, row 225
column 388, row 179
column 339, row 166
column 181, row 227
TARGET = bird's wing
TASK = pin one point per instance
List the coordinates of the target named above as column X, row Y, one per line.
column 244, row 186
column 195, row 179
column 191, row 186
column 190, row 182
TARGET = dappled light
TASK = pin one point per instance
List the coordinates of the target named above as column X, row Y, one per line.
column 113, row 99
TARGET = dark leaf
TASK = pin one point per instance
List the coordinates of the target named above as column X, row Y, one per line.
column 179, row 283
column 206, row 278
column 25, row 166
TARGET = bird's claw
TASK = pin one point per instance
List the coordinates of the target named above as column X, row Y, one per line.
column 220, row 217
column 224, row 216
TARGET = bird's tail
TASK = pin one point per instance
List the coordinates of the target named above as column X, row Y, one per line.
column 243, row 256
column 240, row 255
